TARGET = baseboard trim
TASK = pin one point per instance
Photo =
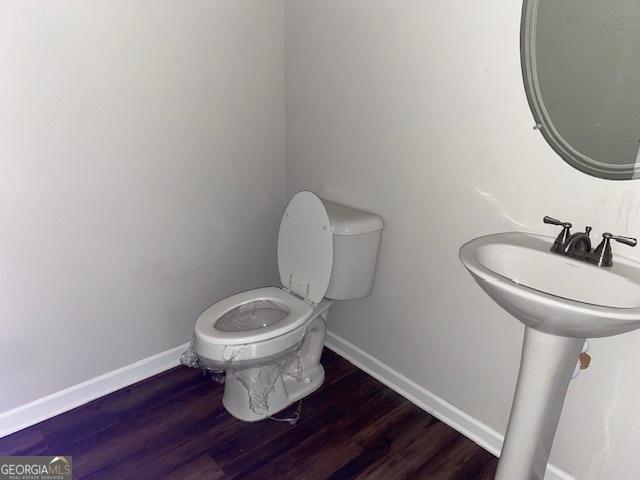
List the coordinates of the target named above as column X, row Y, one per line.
column 470, row 427
column 34, row 412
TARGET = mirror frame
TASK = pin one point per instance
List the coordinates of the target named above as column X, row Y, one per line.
column 541, row 116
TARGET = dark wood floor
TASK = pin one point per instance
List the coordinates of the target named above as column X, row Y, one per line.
column 174, row 426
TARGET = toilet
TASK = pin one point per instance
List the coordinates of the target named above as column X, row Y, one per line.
column 269, row 340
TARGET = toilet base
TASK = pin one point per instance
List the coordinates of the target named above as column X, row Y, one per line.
column 287, row 390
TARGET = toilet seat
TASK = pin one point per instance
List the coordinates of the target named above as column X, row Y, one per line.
column 298, row 312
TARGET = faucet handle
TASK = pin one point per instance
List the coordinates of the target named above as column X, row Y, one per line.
column 604, row 257
column 553, row 221
column 632, row 242
column 563, row 236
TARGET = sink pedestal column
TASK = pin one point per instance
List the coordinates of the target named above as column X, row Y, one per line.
column 546, row 367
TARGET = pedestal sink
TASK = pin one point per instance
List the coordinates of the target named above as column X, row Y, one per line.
column 561, row 302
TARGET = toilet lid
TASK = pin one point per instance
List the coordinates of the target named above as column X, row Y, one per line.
column 305, row 247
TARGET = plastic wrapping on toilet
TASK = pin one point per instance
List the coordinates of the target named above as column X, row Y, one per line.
column 259, row 378
column 248, row 316
column 189, row 358
column 251, row 316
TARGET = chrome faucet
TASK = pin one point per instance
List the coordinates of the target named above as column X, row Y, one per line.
column 578, row 245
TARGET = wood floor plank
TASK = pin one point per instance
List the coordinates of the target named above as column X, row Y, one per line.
column 463, row 461
column 318, row 455
column 402, row 449
column 24, row 442
column 174, row 426
column 201, row 468
column 256, row 457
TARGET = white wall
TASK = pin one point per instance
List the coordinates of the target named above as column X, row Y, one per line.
column 141, row 177
column 416, row 110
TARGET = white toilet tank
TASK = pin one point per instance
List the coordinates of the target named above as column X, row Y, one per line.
column 356, row 239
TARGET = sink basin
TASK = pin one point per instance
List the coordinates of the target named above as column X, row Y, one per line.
column 561, row 302
column 553, row 293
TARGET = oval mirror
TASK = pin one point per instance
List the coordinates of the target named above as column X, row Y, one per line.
column 581, row 69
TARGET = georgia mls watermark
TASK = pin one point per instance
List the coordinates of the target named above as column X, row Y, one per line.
column 36, row 468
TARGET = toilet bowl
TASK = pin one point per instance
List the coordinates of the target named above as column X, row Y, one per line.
column 219, row 346
column 269, row 340
column 300, row 331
